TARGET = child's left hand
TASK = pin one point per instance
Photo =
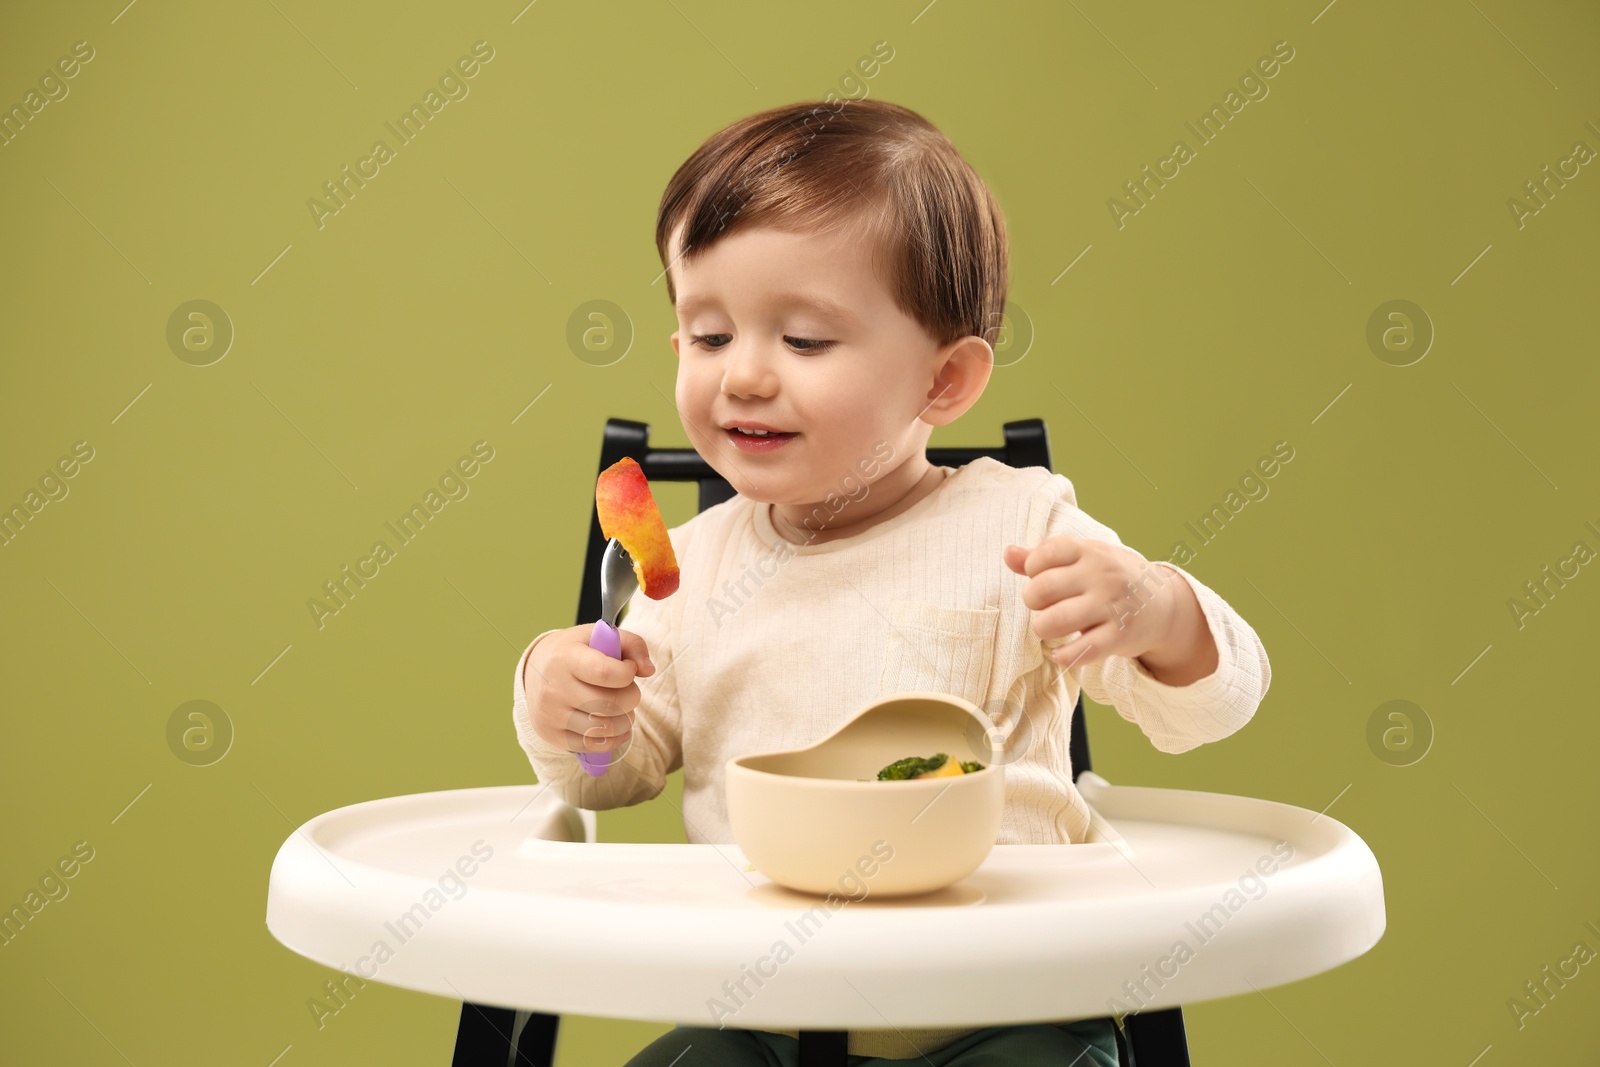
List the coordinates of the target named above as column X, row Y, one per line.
column 1120, row 605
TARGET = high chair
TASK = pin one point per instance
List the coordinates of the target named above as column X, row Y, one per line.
column 490, row 1035
column 541, row 914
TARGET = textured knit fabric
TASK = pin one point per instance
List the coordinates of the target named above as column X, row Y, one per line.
column 768, row 645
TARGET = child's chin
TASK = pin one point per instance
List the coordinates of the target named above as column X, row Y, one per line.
column 767, row 493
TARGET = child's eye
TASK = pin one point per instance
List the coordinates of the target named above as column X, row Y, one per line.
column 714, row 341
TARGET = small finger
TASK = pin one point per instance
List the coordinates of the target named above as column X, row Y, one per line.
column 1053, row 586
column 1065, row 616
column 1053, row 552
column 635, row 651
column 599, row 700
column 594, row 743
column 597, row 727
column 599, row 724
column 1085, row 648
column 596, row 668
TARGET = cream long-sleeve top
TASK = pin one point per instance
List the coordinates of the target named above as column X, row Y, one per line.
column 768, row 645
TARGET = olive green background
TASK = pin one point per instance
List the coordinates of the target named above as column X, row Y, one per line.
column 370, row 353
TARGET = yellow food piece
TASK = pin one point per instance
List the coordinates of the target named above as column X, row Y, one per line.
column 950, row 769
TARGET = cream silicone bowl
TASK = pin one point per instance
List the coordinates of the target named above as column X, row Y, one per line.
column 806, row 819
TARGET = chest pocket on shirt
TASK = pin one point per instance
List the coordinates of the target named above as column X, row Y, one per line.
column 944, row 650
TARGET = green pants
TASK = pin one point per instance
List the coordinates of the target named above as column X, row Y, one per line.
column 1087, row 1043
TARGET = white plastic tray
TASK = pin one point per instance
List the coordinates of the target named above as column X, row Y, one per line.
column 553, row 922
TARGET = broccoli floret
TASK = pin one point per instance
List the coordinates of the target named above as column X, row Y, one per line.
column 913, row 766
column 910, row 767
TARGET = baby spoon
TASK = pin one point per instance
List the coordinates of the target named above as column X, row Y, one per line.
column 618, row 583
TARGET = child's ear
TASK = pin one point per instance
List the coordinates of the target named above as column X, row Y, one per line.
column 961, row 376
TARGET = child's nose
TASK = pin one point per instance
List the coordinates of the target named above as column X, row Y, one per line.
column 748, row 371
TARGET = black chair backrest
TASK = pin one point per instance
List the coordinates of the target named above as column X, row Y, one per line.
column 1026, row 445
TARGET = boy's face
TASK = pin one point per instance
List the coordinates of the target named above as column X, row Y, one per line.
column 841, row 379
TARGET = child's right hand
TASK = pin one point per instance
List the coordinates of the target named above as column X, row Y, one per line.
column 579, row 698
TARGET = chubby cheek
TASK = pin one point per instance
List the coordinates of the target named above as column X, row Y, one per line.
column 852, row 411
column 693, row 397
column 683, row 392
column 839, row 437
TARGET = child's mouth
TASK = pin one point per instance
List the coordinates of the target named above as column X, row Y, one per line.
column 756, row 443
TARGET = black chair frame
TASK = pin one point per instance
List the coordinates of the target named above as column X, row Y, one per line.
column 505, row 1037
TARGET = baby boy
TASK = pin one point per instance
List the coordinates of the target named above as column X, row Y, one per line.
column 837, row 271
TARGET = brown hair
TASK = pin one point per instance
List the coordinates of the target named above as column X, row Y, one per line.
column 863, row 166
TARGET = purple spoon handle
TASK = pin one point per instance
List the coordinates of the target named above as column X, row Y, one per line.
column 607, row 640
